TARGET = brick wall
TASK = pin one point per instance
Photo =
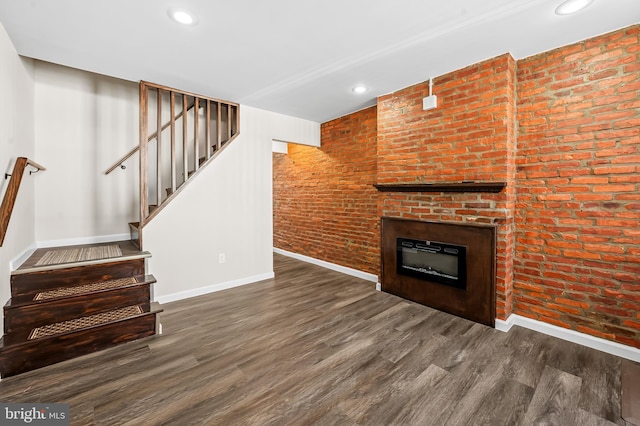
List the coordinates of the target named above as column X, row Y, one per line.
column 569, row 219
column 470, row 136
column 578, row 186
column 324, row 201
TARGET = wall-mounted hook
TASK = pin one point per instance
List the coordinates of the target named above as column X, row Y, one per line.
column 7, row 176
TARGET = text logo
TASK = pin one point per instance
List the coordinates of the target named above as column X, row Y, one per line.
column 34, row 414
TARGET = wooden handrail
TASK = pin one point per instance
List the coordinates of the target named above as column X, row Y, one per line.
column 151, row 137
column 35, row 165
column 11, row 194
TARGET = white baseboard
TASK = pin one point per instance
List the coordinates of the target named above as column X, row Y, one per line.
column 213, row 288
column 505, row 325
column 339, row 268
column 613, row 348
column 19, row 260
column 84, row 240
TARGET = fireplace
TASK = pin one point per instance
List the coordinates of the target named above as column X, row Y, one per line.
column 447, row 266
column 433, row 261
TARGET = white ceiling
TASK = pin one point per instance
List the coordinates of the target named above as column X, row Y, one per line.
column 296, row 57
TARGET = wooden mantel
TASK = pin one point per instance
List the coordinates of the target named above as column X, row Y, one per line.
column 465, row 186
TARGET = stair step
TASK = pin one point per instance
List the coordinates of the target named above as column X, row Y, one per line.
column 29, row 284
column 62, row 292
column 57, row 256
column 70, row 339
column 134, row 231
column 201, row 161
column 83, row 289
column 75, row 300
column 84, row 322
column 66, row 303
column 31, row 277
column 51, row 258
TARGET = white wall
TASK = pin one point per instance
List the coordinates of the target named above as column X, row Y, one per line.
column 286, row 129
column 16, row 140
column 280, row 147
column 84, row 123
column 226, row 209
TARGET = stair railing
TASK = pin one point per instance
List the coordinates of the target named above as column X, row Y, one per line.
column 9, row 199
column 207, row 125
column 135, row 149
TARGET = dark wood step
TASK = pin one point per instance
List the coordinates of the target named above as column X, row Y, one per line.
column 134, row 231
column 201, row 161
column 76, row 340
column 99, row 262
column 97, row 288
column 77, row 255
column 68, row 303
column 29, row 283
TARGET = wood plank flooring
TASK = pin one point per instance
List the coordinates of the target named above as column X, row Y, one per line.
column 313, row 346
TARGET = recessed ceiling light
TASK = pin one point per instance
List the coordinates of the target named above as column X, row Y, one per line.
column 359, row 89
column 572, row 6
column 182, row 16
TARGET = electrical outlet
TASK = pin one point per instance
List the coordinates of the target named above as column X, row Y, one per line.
column 378, row 286
column 222, row 258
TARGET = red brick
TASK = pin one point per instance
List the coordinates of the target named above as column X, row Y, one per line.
column 567, row 221
column 606, row 135
column 334, row 217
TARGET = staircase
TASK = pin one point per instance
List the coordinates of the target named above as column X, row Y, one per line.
column 65, row 309
column 71, row 301
column 180, row 134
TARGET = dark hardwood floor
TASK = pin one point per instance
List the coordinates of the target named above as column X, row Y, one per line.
column 313, row 346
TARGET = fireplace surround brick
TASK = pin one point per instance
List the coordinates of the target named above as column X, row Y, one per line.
column 470, row 136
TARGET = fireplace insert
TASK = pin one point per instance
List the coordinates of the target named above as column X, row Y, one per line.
column 433, row 261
